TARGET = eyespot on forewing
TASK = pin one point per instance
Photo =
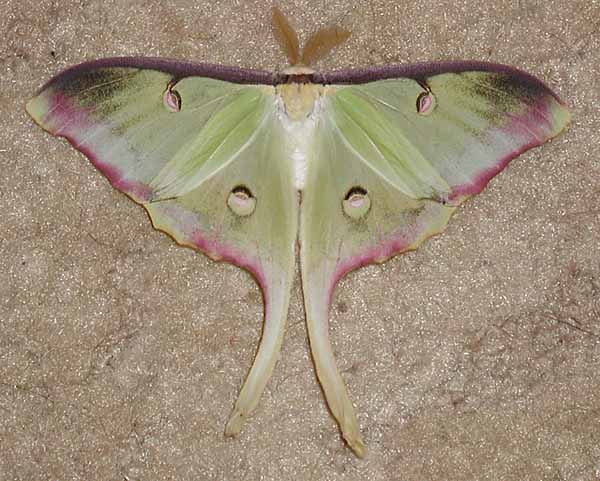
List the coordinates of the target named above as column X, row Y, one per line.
column 425, row 103
column 171, row 98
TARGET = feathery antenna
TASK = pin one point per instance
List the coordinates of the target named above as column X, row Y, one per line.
column 319, row 44
column 322, row 42
column 286, row 36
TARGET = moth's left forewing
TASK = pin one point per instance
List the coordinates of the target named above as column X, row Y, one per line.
column 389, row 162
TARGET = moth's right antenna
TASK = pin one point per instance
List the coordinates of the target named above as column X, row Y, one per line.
column 322, row 42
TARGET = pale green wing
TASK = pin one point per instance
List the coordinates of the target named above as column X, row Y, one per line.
column 205, row 159
column 389, row 163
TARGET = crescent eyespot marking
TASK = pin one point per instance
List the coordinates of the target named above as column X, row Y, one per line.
column 241, row 201
column 172, row 99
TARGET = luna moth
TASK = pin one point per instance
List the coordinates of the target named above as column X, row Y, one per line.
column 249, row 167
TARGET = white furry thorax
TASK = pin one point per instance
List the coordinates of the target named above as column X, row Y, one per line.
column 299, row 107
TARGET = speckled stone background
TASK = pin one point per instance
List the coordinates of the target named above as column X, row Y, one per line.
column 475, row 358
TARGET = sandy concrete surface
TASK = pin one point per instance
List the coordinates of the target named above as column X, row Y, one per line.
column 475, row 358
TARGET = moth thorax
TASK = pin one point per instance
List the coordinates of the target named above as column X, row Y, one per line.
column 300, row 105
column 299, row 99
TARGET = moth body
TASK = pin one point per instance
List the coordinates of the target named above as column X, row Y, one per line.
column 298, row 107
